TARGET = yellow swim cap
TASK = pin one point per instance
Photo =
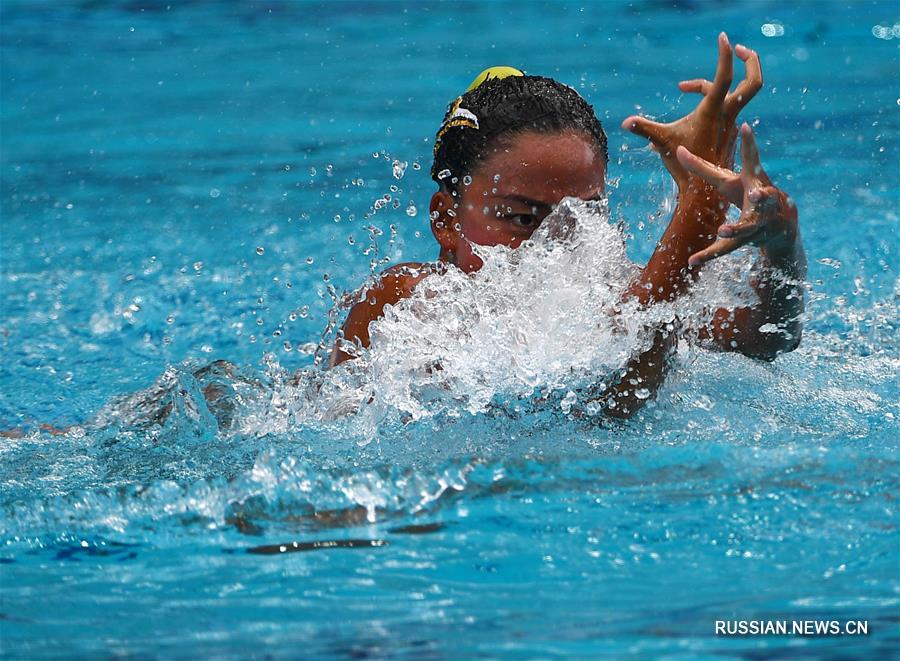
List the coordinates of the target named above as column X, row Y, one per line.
column 494, row 72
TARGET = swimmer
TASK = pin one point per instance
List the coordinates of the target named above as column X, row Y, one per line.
column 514, row 145
column 545, row 143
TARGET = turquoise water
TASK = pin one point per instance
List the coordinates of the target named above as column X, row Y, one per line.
column 201, row 182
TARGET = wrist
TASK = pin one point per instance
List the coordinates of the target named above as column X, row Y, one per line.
column 703, row 202
column 693, row 188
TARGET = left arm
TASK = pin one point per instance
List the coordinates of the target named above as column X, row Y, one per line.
column 768, row 220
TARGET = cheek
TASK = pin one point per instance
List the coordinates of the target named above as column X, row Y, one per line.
column 485, row 230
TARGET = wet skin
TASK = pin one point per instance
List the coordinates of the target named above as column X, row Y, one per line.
column 502, row 202
column 535, row 171
column 512, row 191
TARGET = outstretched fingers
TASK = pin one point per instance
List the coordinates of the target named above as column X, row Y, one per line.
column 717, row 249
column 744, row 230
column 751, row 168
column 646, row 128
column 726, row 182
column 750, row 85
column 696, row 86
column 722, row 82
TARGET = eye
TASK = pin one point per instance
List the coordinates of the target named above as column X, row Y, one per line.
column 523, row 220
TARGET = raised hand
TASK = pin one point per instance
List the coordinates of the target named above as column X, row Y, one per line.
column 768, row 216
column 709, row 130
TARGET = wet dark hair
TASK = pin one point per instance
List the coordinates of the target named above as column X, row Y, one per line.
column 505, row 108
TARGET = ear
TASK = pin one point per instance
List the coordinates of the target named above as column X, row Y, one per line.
column 443, row 224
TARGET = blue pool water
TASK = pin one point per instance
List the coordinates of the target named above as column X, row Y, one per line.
column 201, row 181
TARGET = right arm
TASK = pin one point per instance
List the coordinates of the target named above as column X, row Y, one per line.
column 710, row 128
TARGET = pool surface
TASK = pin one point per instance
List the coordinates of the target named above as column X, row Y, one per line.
column 184, row 183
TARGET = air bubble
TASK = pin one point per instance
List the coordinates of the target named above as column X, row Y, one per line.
column 411, row 210
column 260, row 250
column 772, row 30
column 214, row 192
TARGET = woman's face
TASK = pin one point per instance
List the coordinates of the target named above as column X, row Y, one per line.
column 512, row 190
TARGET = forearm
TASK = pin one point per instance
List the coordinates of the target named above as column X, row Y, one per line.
column 774, row 324
column 699, row 211
column 641, row 377
column 781, row 295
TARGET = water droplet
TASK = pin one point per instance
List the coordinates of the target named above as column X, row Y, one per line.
column 411, row 210
column 310, row 260
column 883, row 32
column 772, row 30
column 399, row 169
column 260, row 250
column 312, row 172
column 443, row 174
column 467, row 180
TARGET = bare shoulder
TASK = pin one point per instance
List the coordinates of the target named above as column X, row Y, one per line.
column 393, row 285
column 398, row 281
